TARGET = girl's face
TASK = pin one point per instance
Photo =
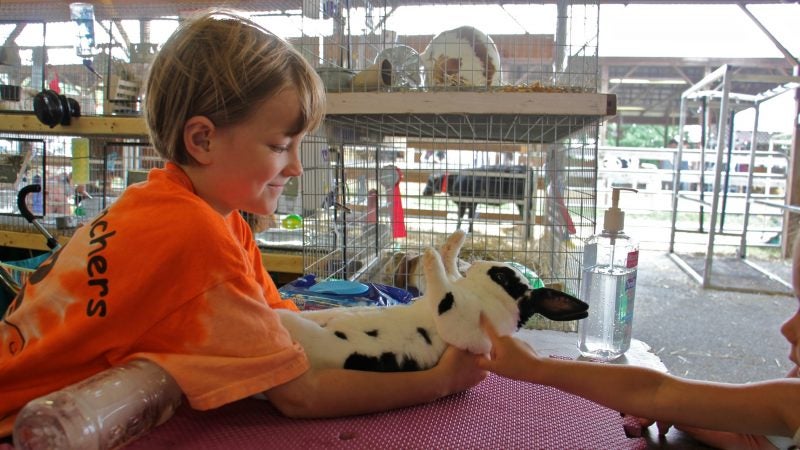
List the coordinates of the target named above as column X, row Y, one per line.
column 791, row 331
column 791, row 328
column 253, row 160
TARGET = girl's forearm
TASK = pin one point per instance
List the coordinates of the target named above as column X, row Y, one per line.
column 629, row 389
column 758, row 408
column 338, row 392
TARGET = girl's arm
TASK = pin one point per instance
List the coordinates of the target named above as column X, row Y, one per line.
column 767, row 408
column 340, row 392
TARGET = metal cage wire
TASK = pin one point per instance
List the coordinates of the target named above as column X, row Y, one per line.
column 527, row 174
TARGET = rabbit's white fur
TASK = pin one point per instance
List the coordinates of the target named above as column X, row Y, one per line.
column 413, row 337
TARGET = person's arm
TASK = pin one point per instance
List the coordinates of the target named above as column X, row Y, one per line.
column 767, row 408
column 340, row 392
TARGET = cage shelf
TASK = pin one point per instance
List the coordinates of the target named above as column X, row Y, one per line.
column 423, row 114
column 26, row 123
column 526, row 117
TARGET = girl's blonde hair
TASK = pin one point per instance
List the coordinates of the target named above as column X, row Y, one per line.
column 222, row 66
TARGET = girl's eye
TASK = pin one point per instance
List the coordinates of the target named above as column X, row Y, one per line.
column 279, row 148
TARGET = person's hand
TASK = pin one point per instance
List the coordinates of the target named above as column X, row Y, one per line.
column 508, row 356
column 663, row 427
column 459, row 369
column 713, row 438
column 726, row 439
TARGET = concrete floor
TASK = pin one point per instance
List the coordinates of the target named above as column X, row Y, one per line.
column 712, row 334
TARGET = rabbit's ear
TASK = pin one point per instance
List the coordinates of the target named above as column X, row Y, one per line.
column 450, row 251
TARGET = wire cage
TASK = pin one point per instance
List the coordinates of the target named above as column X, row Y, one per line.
column 463, row 127
column 453, row 46
column 99, row 61
column 79, row 177
column 528, row 200
column 433, row 107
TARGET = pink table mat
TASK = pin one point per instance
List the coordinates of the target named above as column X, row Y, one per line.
column 498, row 413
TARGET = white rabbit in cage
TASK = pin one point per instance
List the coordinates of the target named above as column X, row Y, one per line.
column 463, row 56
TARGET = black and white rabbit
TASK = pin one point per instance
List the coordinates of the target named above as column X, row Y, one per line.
column 414, row 336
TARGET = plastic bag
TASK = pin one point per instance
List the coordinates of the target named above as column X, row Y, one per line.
column 376, row 295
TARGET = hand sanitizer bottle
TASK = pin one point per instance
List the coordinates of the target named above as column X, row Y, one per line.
column 608, row 285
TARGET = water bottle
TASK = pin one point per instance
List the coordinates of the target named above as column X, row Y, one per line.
column 82, row 15
column 104, row 411
column 608, row 285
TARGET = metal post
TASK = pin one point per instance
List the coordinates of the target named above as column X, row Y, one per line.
column 721, row 132
column 747, row 195
column 726, row 185
column 676, row 180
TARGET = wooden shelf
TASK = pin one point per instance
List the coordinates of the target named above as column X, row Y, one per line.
column 472, row 103
column 291, row 263
column 404, row 110
column 113, row 126
column 364, row 118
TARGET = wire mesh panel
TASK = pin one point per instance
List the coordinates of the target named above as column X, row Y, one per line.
column 23, row 162
column 100, row 62
column 79, row 177
column 384, row 179
column 527, row 199
column 473, row 45
column 34, row 160
column 112, row 166
column 405, row 173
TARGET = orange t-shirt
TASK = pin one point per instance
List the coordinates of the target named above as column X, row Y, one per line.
column 158, row 275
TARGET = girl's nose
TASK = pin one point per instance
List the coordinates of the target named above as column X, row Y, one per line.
column 791, row 328
column 294, row 167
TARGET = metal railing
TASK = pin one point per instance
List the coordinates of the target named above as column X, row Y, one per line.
column 652, row 172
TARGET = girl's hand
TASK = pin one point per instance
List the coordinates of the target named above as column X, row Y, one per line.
column 459, row 370
column 509, row 357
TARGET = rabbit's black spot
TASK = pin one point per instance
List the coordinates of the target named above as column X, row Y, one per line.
column 373, row 333
column 424, row 333
column 340, row 335
column 387, row 362
column 446, row 304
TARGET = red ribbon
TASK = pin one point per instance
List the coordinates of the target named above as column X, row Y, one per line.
column 54, row 84
column 399, row 222
column 444, row 183
column 562, row 208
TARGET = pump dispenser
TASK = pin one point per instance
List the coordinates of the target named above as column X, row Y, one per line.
column 614, row 220
column 608, row 285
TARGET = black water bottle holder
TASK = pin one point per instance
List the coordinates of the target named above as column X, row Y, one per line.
column 53, row 109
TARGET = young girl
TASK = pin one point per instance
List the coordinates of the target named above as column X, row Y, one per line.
column 170, row 272
column 756, row 415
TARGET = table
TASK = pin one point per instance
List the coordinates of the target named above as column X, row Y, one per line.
column 498, row 413
column 561, row 344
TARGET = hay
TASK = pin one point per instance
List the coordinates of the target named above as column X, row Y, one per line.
column 553, row 259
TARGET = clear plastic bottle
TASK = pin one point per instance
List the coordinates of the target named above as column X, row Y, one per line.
column 608, row 285
column 104, row 411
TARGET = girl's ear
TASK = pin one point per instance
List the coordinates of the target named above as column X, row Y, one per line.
column 197, row 134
